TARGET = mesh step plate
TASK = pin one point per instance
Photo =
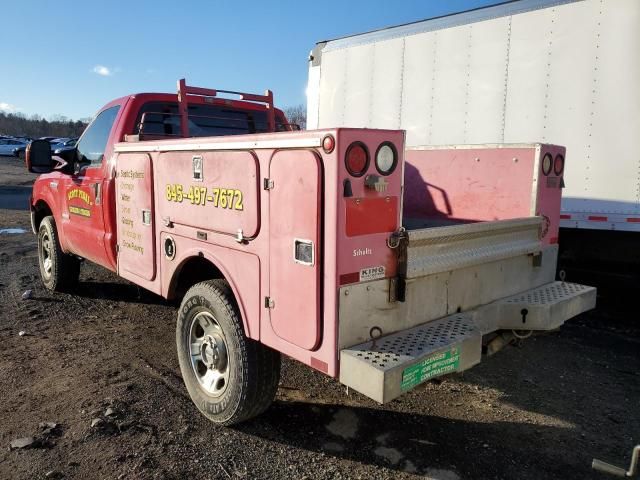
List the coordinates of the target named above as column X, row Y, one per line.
column 549, row 293
column 547, row 307
column 376, row 368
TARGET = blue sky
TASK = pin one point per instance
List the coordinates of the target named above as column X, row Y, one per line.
column 71, row 57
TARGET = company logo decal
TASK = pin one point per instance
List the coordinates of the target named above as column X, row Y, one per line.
column 372, row 273
column 81, row 194
column 77, row 193
column 83, row 212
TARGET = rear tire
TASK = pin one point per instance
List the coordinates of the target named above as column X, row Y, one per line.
column 58, row 270
column 21, row 154
column 230, row 378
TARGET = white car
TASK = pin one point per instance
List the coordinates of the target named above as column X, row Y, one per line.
column 8, row 145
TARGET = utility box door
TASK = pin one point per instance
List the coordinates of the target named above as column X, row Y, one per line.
column 294, row 253
column 135, row 223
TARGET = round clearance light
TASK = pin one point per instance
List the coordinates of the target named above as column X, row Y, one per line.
column 386, row 158
column 357, row 159
column 328, row 144
column 547, row 163
column 558, row 164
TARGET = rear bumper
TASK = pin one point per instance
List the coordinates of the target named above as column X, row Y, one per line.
column 389, row 366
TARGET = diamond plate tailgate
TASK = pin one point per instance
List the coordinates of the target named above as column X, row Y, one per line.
column 394, row 364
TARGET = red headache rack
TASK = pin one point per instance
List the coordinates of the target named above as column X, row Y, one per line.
column 185, row 91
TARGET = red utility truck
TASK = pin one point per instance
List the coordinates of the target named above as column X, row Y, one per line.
column 379, row 266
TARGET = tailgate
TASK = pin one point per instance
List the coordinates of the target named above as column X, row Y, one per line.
column 441, row 249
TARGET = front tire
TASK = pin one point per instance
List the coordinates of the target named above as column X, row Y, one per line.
column 230, row 378
column 58, row 270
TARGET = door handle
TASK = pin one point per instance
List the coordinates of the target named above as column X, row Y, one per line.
column 97, row 190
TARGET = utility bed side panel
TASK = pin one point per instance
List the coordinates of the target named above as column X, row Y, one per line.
column 215, row 191
column 474, row 183
column 135, row 218
column 469, row 184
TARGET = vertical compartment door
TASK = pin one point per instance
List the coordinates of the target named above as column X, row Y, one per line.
column 295, row 218
column 135, row 223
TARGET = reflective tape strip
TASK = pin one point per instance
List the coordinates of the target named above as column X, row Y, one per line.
column 595, row 218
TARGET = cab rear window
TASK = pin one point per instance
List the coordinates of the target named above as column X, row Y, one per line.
column 163, row 119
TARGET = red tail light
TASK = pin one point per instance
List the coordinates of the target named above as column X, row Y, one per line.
column 558, row 164
column 357, row 159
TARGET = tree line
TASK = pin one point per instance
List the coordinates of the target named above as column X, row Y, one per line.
column 35, row 126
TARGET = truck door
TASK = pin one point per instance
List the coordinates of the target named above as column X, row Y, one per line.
column 295, row 216
column 82, row 213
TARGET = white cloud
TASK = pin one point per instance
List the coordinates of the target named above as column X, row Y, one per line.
column 7, row 107
column 103, row 71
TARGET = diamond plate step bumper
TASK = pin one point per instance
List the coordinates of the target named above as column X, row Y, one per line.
column 394, row 364
column 389, row 366
column 542, row 308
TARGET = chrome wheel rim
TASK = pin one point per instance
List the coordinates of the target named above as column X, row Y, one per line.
column 208, row 354
column 45, row 254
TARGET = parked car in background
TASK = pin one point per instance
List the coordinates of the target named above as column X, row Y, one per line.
column 60, row 148
column 58, row 145
column 58, row 140
column 8, row 145
column 19, row 151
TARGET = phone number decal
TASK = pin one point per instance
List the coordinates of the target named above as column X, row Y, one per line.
column 220, row 197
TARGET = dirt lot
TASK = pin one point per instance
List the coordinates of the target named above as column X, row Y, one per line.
column 539, row 410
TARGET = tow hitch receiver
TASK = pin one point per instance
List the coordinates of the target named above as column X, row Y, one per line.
column 385, row 368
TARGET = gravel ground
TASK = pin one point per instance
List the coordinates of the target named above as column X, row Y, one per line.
column 105, row 356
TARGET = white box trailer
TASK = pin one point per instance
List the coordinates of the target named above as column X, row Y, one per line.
column 558, row 71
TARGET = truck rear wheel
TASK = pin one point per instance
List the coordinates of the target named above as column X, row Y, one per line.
column 58, row 270
column 230, row 378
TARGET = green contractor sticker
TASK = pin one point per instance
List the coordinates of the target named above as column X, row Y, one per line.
column 432, row 366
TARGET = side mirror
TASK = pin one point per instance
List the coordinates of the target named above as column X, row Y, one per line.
column 66, row 154
column 38, row 157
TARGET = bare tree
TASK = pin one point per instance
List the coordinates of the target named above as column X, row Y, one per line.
column 297, row 114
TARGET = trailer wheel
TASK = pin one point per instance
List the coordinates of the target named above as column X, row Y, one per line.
column 58, row 270
column 230, row 378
